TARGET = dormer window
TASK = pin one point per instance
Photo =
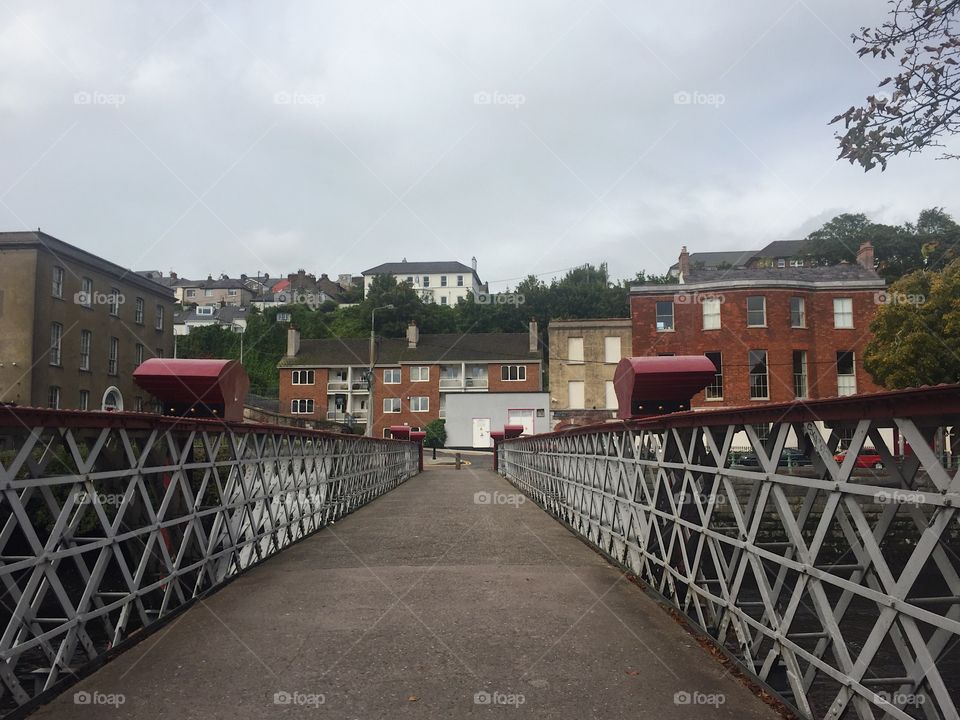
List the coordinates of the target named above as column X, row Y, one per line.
column 205, row 311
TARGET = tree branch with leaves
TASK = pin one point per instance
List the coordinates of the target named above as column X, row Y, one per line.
column 918, row 106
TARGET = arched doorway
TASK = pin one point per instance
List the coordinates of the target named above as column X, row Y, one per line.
column 112, row 399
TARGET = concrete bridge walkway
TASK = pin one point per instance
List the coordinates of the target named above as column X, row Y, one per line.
column 424, row 604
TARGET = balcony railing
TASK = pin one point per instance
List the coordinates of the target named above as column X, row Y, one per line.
column 836, row 585
column 341, row 416
column 343, row 386
column 113, row 521
column 470, row 383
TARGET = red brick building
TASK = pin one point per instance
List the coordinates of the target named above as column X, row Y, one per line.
column 775, row 334
column 326, row 379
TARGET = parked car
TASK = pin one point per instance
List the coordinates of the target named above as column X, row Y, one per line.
column 866, row 458
column 790, row 457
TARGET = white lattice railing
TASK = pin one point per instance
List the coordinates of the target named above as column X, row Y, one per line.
column 109, row 522
column 837, row 586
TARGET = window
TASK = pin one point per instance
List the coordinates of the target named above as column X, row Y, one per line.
column 57, row 288
column 138, row 311
column 301, row 406
column 443, row 281
column 443, row 300
column 575, row 350
column 391, row 376
column 86, row 292
column 410, row 279
column 510, row 373
column 798, row 312
column 208, row 292
column 426, row 281
column 306, row 377
column 205, row 311
column 56, row 340
column 459, row 280
column 611, row 395
column 86, row 338
column 420, row 373
column 159, row 323
column 191, row 293
column 756, row 311
column 611, row 350
column 842, row 312
column 575, row 399
column 800, row 373
column 796, row 263
column 664, row 315
column 846, row 373
column 232, row 292
column 711, row 313
column 759, row 386
column 159, row 353
column 53, row 398
column 781, row 262
column 84, row 399
column 714, row 390
column 420, row 403
column 139, row 354
column 112, row 359
column 391, row 405
column 113, row 301
column 138, row 404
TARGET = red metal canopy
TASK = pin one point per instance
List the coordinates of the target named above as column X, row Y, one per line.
column 204, row 388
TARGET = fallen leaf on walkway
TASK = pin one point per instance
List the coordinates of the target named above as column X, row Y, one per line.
column 412, row 698
column 633, row 672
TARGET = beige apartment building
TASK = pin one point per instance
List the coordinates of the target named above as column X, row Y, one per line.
column 583, row 357
column 74, row 327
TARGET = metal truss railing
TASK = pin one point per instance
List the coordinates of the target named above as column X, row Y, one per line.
column 109, row 522
column 835, row 585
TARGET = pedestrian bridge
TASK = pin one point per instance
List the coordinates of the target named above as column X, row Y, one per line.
column 185, row 568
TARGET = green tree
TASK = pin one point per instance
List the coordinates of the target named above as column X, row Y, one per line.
column 436, row 436
column 919, row 105
column 917, row 331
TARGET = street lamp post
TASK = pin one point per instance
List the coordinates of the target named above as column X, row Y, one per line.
column 373, row 359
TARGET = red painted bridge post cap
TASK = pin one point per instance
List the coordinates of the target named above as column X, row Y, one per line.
column 658, row 384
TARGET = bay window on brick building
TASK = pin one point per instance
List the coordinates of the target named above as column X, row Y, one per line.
column 774, row 334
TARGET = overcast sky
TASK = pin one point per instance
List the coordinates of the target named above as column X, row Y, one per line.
column 211, row 137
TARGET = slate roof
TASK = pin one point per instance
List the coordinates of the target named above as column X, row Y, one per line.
column 212, row 284
column 448, row 347
column 712, row 259
column 782, row 248
column 422, row 268
column 844, row 274
column 64, row 251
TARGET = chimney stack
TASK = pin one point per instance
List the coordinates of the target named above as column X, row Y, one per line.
column 293, row 341
column 865, row 255
column 474, row 263
column 173, row 275
column 413, row 334
column 534, row 336
column 684, row 262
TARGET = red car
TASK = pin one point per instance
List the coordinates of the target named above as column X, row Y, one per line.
column 868, row 458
